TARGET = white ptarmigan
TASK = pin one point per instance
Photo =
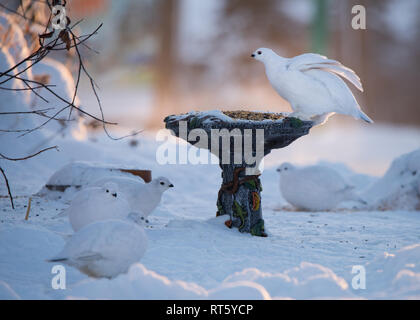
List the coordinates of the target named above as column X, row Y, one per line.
column 142, row 197
column 97, row 203
column 311, row 84
column 104, row 248
column 314, row 188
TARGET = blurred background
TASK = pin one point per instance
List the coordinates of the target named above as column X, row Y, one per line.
column 176, row 55
column 161, row 57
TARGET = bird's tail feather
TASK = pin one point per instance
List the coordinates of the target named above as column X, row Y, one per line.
column 57, row 260
column 362, row 201
column 365, row 117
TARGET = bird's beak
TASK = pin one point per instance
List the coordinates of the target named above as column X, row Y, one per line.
column 252, row 55
column 171, row 185
column 278, row 170
column 114, row 195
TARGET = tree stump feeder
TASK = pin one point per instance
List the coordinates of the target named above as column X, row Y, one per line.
column 239, row 196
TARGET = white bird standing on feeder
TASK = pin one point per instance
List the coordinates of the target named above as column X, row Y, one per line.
column 311, row 84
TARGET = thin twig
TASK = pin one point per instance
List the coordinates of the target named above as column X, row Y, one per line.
column 93, row 87
column 25, row 89
column 28, row 157
column 20, row 15
column 8, row 187
column 41, row 111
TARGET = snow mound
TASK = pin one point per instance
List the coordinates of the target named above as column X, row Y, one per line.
column 14, row 40
column 308, row 281
column 13, row 124
column 239, row 290
column 52, row 72
column 81, row 173
column 399, row 188
column 23, row 267
column 25, row 273
column 141, row 283
column 76, row 175
column 395, row 276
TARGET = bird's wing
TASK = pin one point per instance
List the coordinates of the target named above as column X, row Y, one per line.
column 310, row 61
column 84, row 256
column 341, row 95
column 324, row 177
column 347, row 188
column 88, row 256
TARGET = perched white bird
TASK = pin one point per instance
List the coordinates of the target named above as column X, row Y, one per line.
column 314, row 188
column 104, row 248
column 142, row 197
column 97, row 203
column 311, row 84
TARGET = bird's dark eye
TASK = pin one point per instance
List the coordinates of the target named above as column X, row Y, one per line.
column 259, row 52
column 107, row 190
column 162, row 183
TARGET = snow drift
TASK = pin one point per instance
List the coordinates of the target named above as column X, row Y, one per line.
column 398, row 189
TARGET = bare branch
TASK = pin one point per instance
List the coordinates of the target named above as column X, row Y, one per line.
column 26, row 112
column 8, row 187
column 28, row 157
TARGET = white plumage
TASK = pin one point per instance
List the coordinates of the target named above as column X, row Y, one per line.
column 314, row 188
column 97, row 203
column 104, row 248
column 312, row 85
column 142, row 197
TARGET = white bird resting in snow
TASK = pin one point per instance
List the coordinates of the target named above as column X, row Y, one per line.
column 104, row 248
column 314, row 188
column 142, row 197
column 97, row 203
column 311, row 84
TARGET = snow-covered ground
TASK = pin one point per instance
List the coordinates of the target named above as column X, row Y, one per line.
column 192, row 255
